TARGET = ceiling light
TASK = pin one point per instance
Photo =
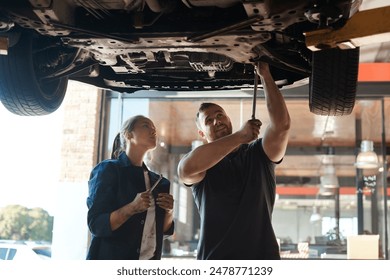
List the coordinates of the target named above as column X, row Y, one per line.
column 326, row 191
column 328, row 179
column 367, row 158
column 315, row 216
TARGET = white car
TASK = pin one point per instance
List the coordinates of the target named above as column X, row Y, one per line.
column 23, row 251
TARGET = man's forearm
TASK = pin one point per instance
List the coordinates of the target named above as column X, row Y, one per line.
column 275, row 138
column 275, row 102
column 207, row 155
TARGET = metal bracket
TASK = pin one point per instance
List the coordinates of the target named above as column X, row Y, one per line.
column 364, row 28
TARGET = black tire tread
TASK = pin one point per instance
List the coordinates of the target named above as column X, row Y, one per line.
column 20, row 91
column 333, row 82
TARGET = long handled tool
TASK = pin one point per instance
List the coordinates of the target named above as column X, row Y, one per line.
column 155, row 184
column 255, row 93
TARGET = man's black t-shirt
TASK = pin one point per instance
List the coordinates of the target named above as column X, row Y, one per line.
column 235, row 202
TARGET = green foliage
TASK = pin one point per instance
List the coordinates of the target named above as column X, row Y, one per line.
column 20, row 223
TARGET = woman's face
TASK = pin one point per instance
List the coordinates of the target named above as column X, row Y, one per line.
column 143, row 134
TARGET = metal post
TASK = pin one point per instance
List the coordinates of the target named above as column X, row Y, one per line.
column 384, row 178
column 359, row 178
column 371, row 183
column 337, row 212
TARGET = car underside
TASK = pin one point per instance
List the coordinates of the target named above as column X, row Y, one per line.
column 172, row 45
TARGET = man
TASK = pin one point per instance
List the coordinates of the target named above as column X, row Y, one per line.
column 233, row 180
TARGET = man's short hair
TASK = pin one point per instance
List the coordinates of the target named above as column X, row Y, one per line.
column 202, row 107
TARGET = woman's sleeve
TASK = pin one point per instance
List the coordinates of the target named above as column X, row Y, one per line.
column 101, row 199
column 170, row 231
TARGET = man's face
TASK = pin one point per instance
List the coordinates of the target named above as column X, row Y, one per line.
column 214, row 123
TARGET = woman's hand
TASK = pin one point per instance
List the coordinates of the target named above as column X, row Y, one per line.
column 141, row 202
column 165, row 201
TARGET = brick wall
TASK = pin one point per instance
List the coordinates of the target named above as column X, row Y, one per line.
column 80, row 131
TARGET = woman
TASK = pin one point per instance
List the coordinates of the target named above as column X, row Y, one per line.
column 127, row 219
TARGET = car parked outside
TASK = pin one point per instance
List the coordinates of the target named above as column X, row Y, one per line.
column 14, row 250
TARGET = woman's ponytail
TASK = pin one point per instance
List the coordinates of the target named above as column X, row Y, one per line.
column 116, row 147
column 119, row 144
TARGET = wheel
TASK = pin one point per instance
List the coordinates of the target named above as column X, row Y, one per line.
column 21, row 90
column 333, row 81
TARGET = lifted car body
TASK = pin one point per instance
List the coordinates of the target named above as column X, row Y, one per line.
column 171, row 45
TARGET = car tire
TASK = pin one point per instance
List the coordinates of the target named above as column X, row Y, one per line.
column 21, row 92
column 333, row 81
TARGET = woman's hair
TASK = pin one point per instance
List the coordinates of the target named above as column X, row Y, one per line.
column 119, row 143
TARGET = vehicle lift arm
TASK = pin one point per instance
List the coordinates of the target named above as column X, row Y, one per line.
column 363, row 28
